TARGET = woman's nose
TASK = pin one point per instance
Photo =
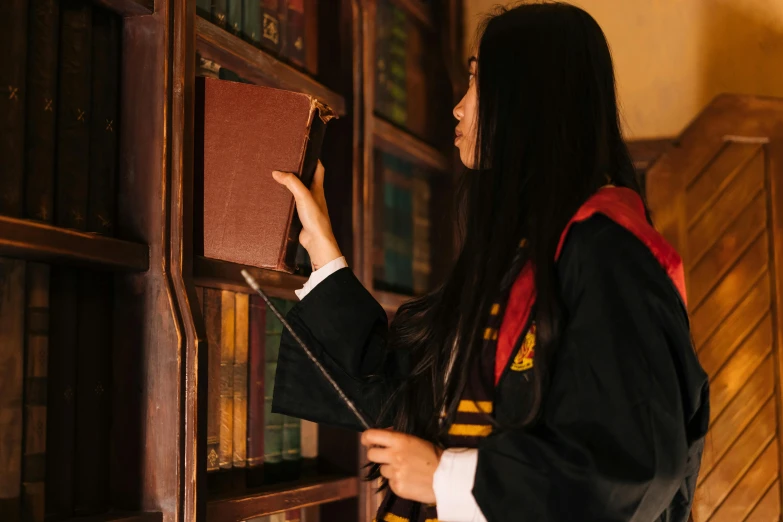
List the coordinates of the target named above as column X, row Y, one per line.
column 458, row 110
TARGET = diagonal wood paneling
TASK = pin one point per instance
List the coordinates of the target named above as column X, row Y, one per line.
column 768, row 510
column 739, row 367
column 720, row 481
column 717, row 196
column 725, row 209
column 743, row 320
column 714, row 179
column 737, row 416
column 751, row 488
column 728, row 248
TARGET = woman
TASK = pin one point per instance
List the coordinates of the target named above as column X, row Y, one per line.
column 551, row 376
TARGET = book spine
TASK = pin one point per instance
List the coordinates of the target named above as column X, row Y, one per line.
column 227, row 345
column 73, row 130
column 12, row 331
column 219, row 10
column 41, row 106
column 295, row 32
column 251, row 21
column 421, row 235
column 417, row 106
column 234, row 16
column 293, row 515
column 382, row 58
column 308, row 436
column 389, row 260
column 406, row 227
column 242, row 307
column 271, row 28
column 13, row 41
column 398, row 94
column 93, row 400
column 212, row 320
column 379, row 224
column 103, row 121
column 311, row 36
column 60, row 426
column 36, row 355
column 273, row 422
column 204, row 9
column 255, row 414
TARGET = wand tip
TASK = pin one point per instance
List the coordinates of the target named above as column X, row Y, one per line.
column 250, row 280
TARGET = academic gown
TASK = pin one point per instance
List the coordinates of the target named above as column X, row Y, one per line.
column 623, row 420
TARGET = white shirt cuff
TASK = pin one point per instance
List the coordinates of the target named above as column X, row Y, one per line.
column 319, row 275
column 453, row 486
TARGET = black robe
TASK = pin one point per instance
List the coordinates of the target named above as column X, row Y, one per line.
column 623, row 421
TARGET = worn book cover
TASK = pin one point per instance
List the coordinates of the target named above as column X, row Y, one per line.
column 243, row 133
column 242, row 330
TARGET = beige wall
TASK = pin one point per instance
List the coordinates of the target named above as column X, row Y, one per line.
column 673, row 56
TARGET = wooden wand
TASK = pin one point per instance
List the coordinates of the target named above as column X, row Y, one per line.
column 348, row 402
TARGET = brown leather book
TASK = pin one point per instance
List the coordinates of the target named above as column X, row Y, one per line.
column 242, row 330
column 243, row 133
column 227, row 321
column 212, row 301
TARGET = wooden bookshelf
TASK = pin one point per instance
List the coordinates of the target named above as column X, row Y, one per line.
column 228, row 276
column 417, row 10
column 396, row 140
column 121, row 517
column 42, row 242
column 128, row 7
column 258, row 66
column 284, row 497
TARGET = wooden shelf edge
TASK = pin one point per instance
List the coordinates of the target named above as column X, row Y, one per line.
column 128, row 7
column 121, row 517
column 389, row 300
column 38, row 241
column 398, row 141
column 418, row 10
column 256, row 65
column 214, row 273
column 238, row 508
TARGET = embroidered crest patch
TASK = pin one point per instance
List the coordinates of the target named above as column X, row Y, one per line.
column 524, row 357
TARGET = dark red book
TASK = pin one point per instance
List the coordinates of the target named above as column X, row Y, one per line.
column 244, row 132
column 255, row 393
column 13, row 41
column 93, row 399
column 73, row 120
column 41, row 109
column 104, row 126
column 296, row 40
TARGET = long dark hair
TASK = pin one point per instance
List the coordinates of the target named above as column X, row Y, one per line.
column 548, row 138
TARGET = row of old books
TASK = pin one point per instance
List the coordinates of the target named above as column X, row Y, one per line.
column 401, row 242
column 402, row 90
column 288, row 28
column 60, row 105
column 55, row 390
column 242, row 432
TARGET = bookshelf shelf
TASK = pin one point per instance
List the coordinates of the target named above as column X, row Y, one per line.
column 390, row 301
column 213, row 43
column 128, row 7
column 418, row 10
column 121, row 517
column 223, row 274
column 398, row 141
column 41, row 242
column 310, row 493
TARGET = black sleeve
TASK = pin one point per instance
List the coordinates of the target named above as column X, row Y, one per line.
column 613, row 440
column 345, row 328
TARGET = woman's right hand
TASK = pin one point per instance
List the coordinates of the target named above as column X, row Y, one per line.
column 316, row 235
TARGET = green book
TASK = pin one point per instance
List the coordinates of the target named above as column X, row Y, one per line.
column 234, row 16
column 273, row 422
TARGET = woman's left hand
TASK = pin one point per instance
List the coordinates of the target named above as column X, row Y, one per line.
column 407, row 461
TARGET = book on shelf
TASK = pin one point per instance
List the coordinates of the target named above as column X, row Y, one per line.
column 36, row 371
column 255, row 394
column 294, row 47
column 13, row 38
column 227, row 345
column 421, row 232
column 243, row 133
column 242, row 331
column 212, row 321
column 219, row 11
column 306, row 514
column 273, row 422
column 272, row 30
column 41, row 119
column 204, row 9
column 104, row 127
column 12, row 334
column 93, row 392
column 234, row 16
column 250, row 31
column 61, row 392
column 73, row 132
